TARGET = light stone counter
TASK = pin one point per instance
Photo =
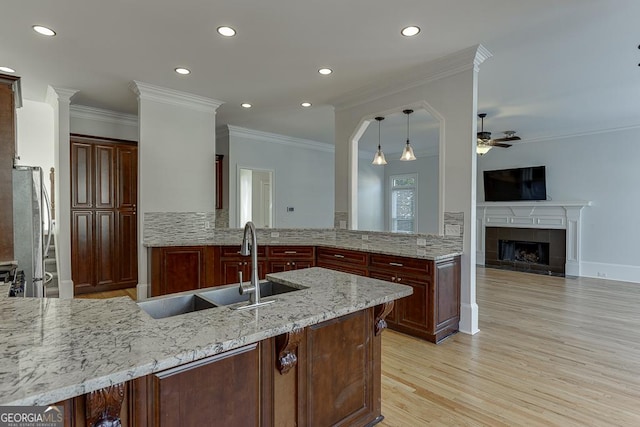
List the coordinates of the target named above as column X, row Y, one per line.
column 54, row 349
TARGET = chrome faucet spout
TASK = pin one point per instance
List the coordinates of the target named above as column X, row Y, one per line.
column 251, row 249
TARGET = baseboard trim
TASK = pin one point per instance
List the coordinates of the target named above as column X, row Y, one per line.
column 620, row 272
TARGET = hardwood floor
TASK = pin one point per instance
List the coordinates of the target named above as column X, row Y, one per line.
column 550, row 352
column 130, row 292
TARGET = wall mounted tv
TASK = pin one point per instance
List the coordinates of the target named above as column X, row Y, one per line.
column 508, row 185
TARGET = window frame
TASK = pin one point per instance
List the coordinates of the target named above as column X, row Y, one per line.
column 393, row 188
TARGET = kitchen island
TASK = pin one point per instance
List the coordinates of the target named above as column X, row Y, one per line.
column 312, row 357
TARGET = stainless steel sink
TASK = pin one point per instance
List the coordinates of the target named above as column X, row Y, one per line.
column 231, row 294
column 168, row 306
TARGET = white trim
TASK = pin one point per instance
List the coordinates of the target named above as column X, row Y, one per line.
column 390, row 198
column 98, row 114
column 580, row 134
column 272, row 174
column 173, row 97
column 446, row 66
column 55, row 94
column 277, row 139
column 599, row 270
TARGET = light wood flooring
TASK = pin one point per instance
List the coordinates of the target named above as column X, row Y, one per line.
column 550, row 352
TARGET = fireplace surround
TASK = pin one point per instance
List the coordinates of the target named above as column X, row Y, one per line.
column 536, row 216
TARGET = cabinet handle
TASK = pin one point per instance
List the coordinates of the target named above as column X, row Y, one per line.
column 290, row 252
column 288, row 263
column 293, row 263
column 239, row 263
column 338, row 256
column 396, row 264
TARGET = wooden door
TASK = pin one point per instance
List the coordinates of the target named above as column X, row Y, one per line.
column 127, row 171
column 82, row 252
column 105, row 248
column 182, row 269
column 104, row 179
column 7, row 153
column 127, row 247
column 81, row 176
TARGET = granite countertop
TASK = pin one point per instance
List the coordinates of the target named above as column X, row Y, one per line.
column 54, row 349
column 432, row 253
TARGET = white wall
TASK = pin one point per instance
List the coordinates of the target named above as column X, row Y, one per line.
column 35, row 136
column 107, row 124
column 602, row 168
column 371, row 190
column 303, row 176
column 427, row 169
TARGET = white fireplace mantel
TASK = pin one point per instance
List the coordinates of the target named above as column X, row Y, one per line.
column 534, row 214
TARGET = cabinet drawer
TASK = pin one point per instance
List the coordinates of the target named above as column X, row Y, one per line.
column 290, row 252
column 234, row 251
column 401, row 265
column 342, row 256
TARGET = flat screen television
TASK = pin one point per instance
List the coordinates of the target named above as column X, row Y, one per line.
column 508, row 185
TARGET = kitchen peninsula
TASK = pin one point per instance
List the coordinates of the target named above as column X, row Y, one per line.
column 278, row 364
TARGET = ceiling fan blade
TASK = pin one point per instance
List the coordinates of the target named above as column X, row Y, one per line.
column 508, row 138
column 495, row 143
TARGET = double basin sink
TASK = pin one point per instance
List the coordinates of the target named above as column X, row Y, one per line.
column 174, row 305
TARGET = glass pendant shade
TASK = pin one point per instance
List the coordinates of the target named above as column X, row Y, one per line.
column 379, row 159
column 407, row 153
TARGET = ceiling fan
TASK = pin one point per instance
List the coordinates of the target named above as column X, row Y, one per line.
column 485, row 143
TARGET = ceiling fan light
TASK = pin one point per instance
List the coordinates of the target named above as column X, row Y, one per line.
column 482, row 149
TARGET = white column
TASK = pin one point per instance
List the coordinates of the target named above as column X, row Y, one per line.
column 572, row 263
column 60, row 99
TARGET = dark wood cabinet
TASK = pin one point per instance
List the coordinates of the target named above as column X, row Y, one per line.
column 432, row 312
column 8, row 87
column 328, row 374
column 177, row 269
column 231, row 264
column 103, row 214
column 344, row 260
column 286, row 258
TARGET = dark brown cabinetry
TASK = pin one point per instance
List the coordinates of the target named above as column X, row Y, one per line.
column 8, row 86
column 432, row 312
column 232, row 264
column 324, row 375
column 285, row 258
column 177, row 269
column 347, row 261
column 103, row 214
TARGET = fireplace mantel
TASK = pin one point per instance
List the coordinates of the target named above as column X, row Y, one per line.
column 534, row 214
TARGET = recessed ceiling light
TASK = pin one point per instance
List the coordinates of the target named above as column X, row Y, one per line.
column 44, row 30
column 7, row 70
column 325, row 71
column 410, row 31
column 226, row 31
column 306, row 104
column 184, row 71
column 246, row 105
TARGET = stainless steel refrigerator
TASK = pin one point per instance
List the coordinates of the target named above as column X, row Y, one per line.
column 31, row 219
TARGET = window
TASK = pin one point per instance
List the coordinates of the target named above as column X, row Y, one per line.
column 404, row 192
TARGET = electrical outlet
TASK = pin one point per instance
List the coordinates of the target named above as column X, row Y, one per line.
column 601, row 274
column 275, row 234
column 452, row 230
column 207, row 225
column 421, row 241
column 365, row 237
column 290, row 209
column 343, row 225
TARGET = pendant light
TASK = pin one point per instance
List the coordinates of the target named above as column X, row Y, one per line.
column 407, row 153
column 482, row 146
column 379, row 159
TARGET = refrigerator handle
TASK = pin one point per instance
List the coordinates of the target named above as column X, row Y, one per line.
column 48, row 204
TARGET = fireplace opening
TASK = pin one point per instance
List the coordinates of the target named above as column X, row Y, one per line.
column 527, row 252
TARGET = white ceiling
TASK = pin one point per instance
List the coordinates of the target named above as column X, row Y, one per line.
column 559, row 66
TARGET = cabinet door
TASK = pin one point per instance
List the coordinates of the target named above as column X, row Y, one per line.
column 446, row 296
column 354, row 262
column 81, row 176
column 127, row 262
column 127, row 172
column 182, row 269
column 230, row 271
column 105, row 247
column 278, row 266
column 223, row 390
column 340, row 372
column 82, row 251
column 413, row 310
column 105, row 181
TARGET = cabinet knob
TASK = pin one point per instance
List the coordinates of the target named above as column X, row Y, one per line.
column 393, row 279
column 399, row 279
column 293, row 263
column 239, row 263
column 288, row 263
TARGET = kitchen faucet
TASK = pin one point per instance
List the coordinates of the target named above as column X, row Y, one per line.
column 252, row 287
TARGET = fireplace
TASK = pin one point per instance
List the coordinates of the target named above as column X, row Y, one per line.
column 534, row 250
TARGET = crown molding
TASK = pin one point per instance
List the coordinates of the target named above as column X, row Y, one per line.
column 59, row 94
column 173, row 97
column 580, row 134
column 446, row 66
column 98, row 114
column 278, row 139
